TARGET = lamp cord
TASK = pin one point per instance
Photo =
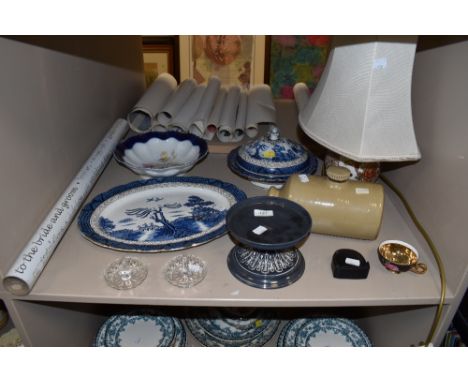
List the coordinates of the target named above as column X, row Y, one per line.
column 435, row 252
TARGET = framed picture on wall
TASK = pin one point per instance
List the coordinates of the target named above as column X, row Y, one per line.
column 235, row 60
column 292, row 59
column 160, row 55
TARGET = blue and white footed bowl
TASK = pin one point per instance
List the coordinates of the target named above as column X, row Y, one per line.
column 272, row 158
column 161, row 153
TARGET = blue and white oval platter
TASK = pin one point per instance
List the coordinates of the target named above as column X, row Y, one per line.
column 159, row 214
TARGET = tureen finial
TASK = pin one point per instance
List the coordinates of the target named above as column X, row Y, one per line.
column 273, row 133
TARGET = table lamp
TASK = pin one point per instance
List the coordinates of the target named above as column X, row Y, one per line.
column 361, row 107
column 361, row 112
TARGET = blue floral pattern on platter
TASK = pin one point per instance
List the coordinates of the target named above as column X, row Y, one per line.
column 265, row 176
column 321, row 332
column 159, row 214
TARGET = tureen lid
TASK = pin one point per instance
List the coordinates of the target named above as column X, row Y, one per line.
column 273, row 151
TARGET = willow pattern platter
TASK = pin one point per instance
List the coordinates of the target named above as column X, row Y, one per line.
column 159, row 214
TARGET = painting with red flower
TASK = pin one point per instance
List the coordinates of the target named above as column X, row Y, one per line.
column 296, row 59
column 228, row 57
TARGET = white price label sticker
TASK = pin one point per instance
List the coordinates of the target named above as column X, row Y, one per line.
column 362, row 191
column 380, row 63
column 263, row 213
column 353, row 262
column 303, row 178
column 259, row 230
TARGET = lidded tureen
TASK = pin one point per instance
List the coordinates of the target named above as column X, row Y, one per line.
column 271, row 159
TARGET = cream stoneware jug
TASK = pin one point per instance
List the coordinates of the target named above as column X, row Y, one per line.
column 338, row 206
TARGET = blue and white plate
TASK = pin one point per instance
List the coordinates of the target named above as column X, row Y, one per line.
column 323, row 332
column 159, row 214
column 206, row 337
column 227, row 332
column 240, row 318
column 100, row 337
column 100, row 340
column 140, row 331
column 287, row 336
column 180, row 337
column 179, row 340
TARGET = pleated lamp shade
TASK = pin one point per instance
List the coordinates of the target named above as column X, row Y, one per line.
column 361, row 107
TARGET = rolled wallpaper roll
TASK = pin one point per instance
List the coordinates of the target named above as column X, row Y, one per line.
column 184, row 117
column 175, row 102
column 30, row 263
column 200, row 119
column 153, row 100
column 240, row 118
column 227, row 122
column 301, row 95
column 215, row 115
column 260, row 109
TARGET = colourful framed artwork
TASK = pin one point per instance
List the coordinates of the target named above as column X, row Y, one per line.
column 234, row 59
column 295, row 59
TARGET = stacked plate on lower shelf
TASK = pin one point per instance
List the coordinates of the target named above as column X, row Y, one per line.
column 138, row 330
column 322, row 332
column 219, row 329
column 227, row 328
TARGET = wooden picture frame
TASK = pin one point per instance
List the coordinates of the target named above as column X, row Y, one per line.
column 160, row 54
column 257, row 66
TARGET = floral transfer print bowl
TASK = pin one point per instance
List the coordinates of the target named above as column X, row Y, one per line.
column 161, row 153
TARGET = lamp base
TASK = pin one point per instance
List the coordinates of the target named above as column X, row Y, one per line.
column 360, row 171
column 266, row 269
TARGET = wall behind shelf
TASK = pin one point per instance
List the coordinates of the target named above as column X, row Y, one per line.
column 54, row 108
column 437, row 186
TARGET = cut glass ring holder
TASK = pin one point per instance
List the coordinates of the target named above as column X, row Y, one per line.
column 125, row 273
column 267, row 231
column 185, row 271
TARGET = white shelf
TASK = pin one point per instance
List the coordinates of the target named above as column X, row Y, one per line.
column 75, row 271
